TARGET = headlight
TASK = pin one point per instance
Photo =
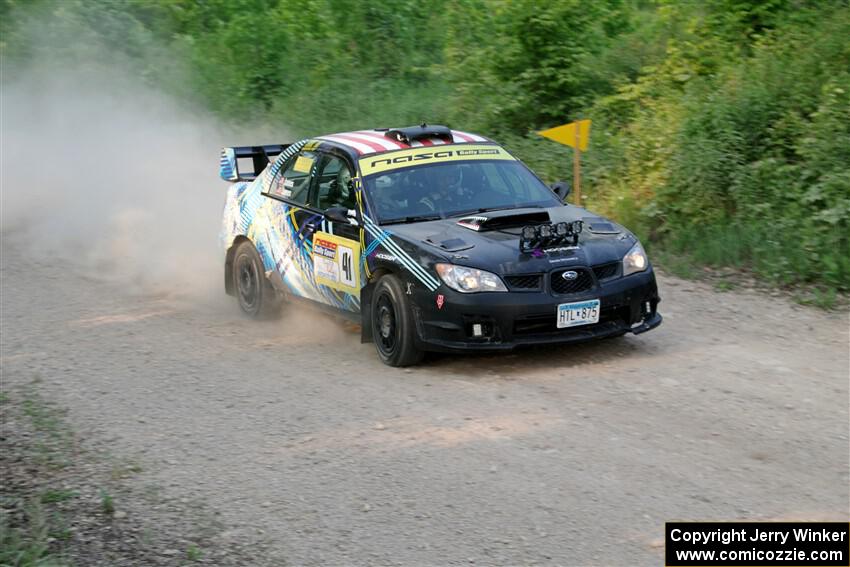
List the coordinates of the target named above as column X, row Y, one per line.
column 469, row 280
column 635, row 260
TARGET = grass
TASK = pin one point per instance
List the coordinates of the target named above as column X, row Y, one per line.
column 60, row 528
column 819, row 297
column 677, row 264
column 107, row 504
column 26, row 528
column 44, row 419
column 27, row 545
column 60, row 495
column 54, row 445
column 779, row 259
column 193, row 553
column 44, row 521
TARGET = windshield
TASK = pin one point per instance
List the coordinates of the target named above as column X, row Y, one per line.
column 454, row 189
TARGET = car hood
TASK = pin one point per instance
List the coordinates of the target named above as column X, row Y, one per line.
column 497, row 249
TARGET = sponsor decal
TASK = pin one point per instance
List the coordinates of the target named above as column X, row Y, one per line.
column 303, row 164
column 336, row 262
column 407, row 158
column 387, row 257
column 560, row 249
column 283, row 187
column 567, row 259
column 542, row 252
column 441, row 300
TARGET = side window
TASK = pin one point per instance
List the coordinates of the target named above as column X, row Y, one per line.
column 333, row 186
column 294, row 182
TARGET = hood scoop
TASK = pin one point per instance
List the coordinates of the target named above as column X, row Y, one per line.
column 448, row 244
column 597, row 225
column 498, row 220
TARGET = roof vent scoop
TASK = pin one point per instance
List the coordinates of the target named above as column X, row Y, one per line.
column 421, row 132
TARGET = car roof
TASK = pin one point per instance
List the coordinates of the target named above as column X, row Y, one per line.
column 371, row 142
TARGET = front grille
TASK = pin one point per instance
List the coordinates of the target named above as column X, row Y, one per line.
column 527, row 282
column 583, row 282
column 605, row 271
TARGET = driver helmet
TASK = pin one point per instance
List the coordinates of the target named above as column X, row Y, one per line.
column 343, row 181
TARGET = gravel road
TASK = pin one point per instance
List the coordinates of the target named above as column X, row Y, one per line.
column 299, row 440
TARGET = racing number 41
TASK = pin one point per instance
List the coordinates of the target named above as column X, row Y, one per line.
column 346, row 256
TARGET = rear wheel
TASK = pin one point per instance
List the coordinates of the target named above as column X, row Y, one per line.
column 392, row 324
column 257, row 298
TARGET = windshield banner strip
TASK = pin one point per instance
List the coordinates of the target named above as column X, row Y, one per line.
column 427, row 155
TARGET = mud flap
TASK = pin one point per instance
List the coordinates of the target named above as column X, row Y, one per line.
column 366, row 314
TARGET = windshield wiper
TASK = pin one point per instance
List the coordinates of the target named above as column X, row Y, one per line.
column 410, row 219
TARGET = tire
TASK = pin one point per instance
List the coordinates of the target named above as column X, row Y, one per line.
column 255, row 294
column 393, row 328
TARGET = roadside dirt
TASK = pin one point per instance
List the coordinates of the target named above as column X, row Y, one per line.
column 306, row 449
column 67, row 501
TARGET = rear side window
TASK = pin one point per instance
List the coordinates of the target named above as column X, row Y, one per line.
column 294, row 183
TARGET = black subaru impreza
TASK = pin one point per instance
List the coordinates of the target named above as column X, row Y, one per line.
column 433, row 239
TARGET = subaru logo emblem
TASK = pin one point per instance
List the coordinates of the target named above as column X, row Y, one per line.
column 569, row 275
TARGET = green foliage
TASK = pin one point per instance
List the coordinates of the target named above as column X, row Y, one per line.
column 534, row 67
column 194, row 553
column 721, row 129
column 754, row 160
column 26, row 545
column 107, row 503
column 57, row 495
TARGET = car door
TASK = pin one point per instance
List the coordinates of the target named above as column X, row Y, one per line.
column 336, row 246
column 292, row 220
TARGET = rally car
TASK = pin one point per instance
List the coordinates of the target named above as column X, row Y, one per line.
column 432, row 239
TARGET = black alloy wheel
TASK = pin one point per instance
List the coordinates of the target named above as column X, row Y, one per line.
column 257, row 298
column 393, row 327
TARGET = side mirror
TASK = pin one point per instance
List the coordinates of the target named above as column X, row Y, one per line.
column 342, row 215
column 561, row 189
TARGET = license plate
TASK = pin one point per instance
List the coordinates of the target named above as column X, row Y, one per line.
column 579, row 313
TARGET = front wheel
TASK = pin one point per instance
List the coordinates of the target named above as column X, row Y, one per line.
column 392, row 324
column 257, row 298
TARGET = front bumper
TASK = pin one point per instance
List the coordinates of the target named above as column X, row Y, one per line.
column 508, row 320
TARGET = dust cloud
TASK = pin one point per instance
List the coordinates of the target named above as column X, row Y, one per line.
column 106, row 173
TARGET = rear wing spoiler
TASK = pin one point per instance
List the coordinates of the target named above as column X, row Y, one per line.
column 245, row 163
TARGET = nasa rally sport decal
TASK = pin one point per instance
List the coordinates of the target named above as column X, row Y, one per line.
column 336, row 262
column 426, row 155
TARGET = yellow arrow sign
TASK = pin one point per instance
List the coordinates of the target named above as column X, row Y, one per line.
column 572, row 134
